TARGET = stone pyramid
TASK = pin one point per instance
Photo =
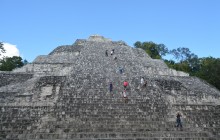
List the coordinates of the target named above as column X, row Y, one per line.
column 65, row 95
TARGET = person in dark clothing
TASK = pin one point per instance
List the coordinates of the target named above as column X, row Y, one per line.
column 178, row 120
column 106, row 53
column 145, row 84
column 120, row 70
column 110, row 87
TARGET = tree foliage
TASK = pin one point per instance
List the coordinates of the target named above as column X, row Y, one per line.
column 10, row 63
column 155, row 51
column 185, row 60
column 210, row 70
column 183, row 66
column 2, row 50
column 182, row 54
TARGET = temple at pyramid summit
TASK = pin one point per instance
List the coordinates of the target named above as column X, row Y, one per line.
column 77, row 92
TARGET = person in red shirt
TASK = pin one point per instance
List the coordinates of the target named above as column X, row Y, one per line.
column 125, row 85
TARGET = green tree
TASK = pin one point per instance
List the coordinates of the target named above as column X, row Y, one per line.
column 10, row 63
column 155, row 51
column 2, row 50
column 138, row 44
column 186, row 61
column 182, row 54
column 210, row 70
column 183, row 66
column 162, row 49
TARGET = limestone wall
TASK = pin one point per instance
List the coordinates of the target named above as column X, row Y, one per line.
column 38, row 69
column 10, row 78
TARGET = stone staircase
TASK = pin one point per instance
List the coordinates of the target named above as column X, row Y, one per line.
column 65, row 95
column 111, row 118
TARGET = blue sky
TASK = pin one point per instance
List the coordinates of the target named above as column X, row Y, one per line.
column 37, row 27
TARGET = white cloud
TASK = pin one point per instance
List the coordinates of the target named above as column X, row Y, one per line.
column 10, row 50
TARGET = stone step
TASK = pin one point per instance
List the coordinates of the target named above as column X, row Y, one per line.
column 114, row 103
column 122, row 128
column 106, row 103
column 118, row 135
column 106, row 110
column 113, row 113
column 113, row 119
column 145, row 126
column 121, row 123
column 139, row 138
column 127, row 118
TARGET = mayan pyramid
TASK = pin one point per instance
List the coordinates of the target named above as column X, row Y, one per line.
column 65, row 95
